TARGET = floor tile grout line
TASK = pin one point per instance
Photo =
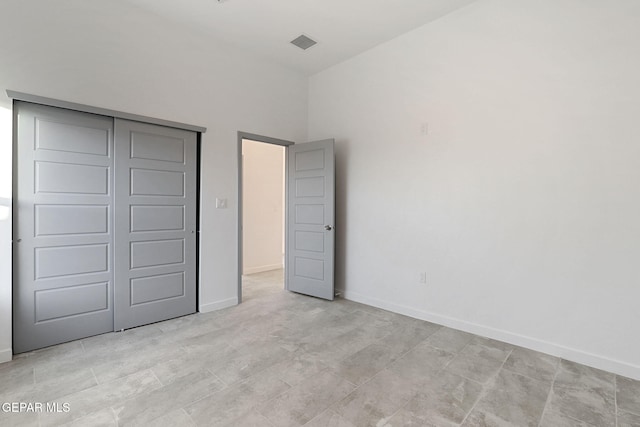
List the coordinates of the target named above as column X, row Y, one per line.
column 376, row 374
column 456, row 354
column 114, row 415
column 485, row 386
column 224, row 383
column 240, row 380
column 330, row 371
column 121, row 401
column 615, row 397
column 95, row 376
column 475, row 404
column 481, row 384
column 188, row 416
column 636, row 413
column 428, row 345
column 401, row 355
column 156, row 377
column 386, row 422
column 512, row 371
column 550, row 394
column 317, row 416
column 361, row 385
column 415, row 392
column 204, row 397
column 237, row 383
column 446, row 365
column 268, row 420
column 290, row 386
column 356, row 387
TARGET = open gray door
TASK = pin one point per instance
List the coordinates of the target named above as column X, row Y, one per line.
column 310, row 225
column 62, row 226
column 155, row 208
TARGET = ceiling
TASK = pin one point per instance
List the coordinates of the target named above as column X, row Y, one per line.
column 342, row 28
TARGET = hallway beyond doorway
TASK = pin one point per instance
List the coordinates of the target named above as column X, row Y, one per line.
column 262, row 284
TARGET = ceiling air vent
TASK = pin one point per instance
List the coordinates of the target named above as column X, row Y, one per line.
column 303, row 42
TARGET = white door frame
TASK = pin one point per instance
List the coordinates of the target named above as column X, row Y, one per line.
column 267, row 140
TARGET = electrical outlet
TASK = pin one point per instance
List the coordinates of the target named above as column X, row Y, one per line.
column 423, row 277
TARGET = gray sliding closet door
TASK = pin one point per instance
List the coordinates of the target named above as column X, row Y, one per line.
column 63, row 228
column 155, row 211
column 104, row 225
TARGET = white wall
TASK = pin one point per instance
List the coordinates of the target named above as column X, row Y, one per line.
column 522, row 203
column 262, row 206
column 108, row 55
column 5, row 234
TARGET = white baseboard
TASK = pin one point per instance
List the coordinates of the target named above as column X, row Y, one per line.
column 218, row 305
column 600, row 362
column 262, row 268
column 6, row 355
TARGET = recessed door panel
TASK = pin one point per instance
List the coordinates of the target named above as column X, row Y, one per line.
column 72, row 138
column 309, row 160
column 156, row 288
column 311, row 241
column 57, row 220
column 54, row 261
column 310, row 186
column 145, row 182
column 56, row 304
column 64, row 178
column 308, row 268
column 160, row 252
column 157, row 218
column 309, row 214
column 157, row 147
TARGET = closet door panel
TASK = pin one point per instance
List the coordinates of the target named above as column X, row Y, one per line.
column 155, row 237
column 63, row 228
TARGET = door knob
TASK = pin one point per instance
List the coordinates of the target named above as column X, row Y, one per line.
column 328, row 227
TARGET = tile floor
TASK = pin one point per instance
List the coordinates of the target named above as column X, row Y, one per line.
column 282, row 359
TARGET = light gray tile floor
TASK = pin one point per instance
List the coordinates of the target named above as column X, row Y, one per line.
column 282, row 359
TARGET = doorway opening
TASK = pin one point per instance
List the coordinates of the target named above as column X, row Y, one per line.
column 261, row 215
